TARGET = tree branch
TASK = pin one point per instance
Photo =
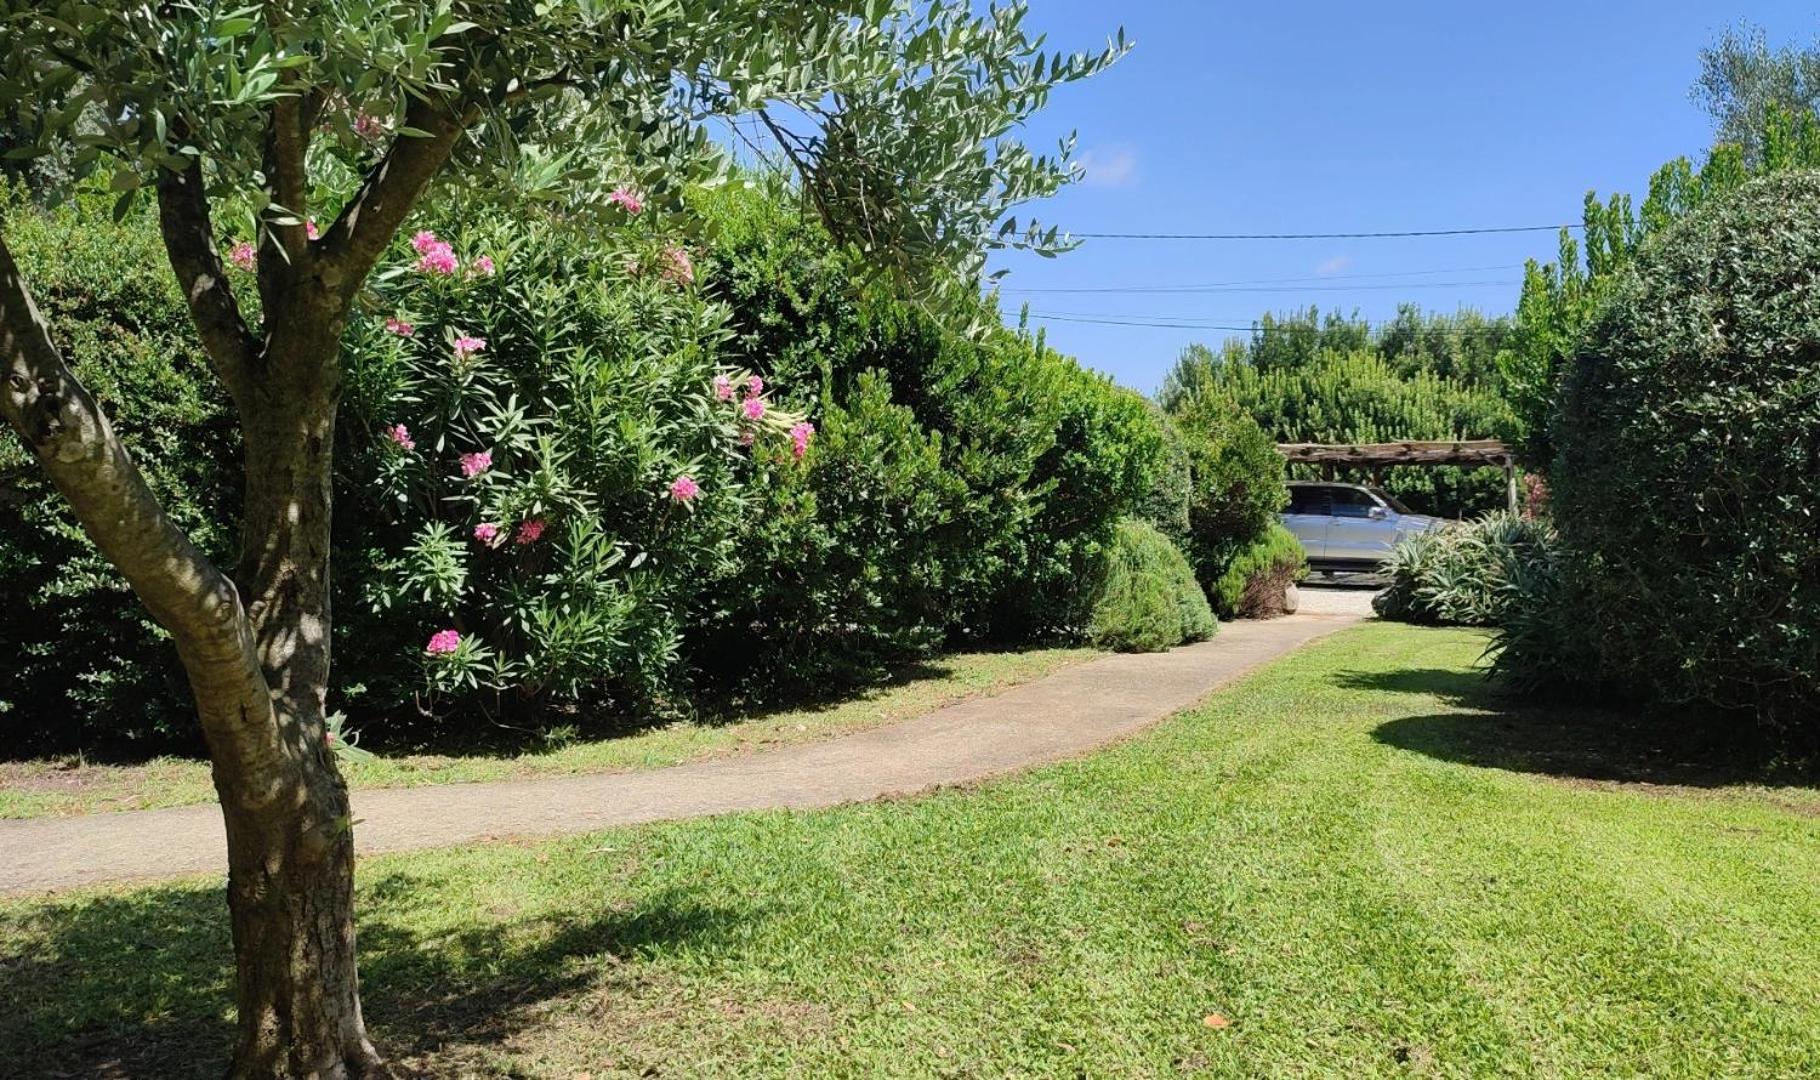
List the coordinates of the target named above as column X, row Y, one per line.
column 189, row 241
column 287, row 142
column 77, row 447
column 373, row 216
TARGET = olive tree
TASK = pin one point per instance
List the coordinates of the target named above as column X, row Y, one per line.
column 316, row 128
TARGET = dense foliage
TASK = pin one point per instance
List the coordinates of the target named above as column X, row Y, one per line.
column 1472, row 573
column 1357, row 395
column 83, row 662
column 1257, row 579
column 1686, row 480
column 1148, row 599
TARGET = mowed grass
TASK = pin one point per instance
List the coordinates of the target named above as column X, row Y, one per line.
column 1352, row 863
column 62, row 787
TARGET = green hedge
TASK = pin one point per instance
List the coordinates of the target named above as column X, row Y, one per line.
column 81, row 663
column 958, row 489
column 1148, row 600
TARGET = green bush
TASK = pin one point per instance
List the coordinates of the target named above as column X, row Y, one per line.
column 1148, row 599
column 844, row 564
column 1470, row 573
column 1108, row 452
column 1256, row 581
column 81, row 664
column 1687, row 476
column 1237, row 483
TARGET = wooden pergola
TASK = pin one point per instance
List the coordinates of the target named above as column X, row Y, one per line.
column 1376, row 457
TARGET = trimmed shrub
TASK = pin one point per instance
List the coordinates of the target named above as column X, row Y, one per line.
column 1257, row 580
column 1148, row 599
column 1688, row 466
column 81, row 663
column 1466, row 574
column 1237, row 483
column 1108, row 452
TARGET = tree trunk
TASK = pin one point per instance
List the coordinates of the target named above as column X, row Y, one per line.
column 290, row 836
column 259, row 669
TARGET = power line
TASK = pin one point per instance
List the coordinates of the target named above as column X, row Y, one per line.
column 1162, row 322
column 1313, row 288
column 1234, row 286
column 1326, row 236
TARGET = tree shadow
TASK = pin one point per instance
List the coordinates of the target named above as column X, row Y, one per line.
column 138, row 983
column 1663, row 745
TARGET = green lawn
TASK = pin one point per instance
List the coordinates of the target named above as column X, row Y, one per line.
column 1356, row 858
column 65, row 786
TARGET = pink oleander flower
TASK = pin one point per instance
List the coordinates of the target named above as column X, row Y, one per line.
column 443, row 642
column 310, row 229
column 440, row 259
column 799, row 438
column 424, row 242
column 244, row 255
column 486, row 532
column 368, row 126
column 529, row 532
column 624, row 198
column 466, row 346
column 401, row 435
column 723, row 388
column 753, row 408
column 396, row 325
column 678, row 267
column 684, row 488
column 481, row 267
column 474, row 464
column 755, row 386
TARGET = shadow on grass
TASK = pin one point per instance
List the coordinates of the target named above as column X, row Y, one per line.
column 1656, row 745
column 137, row 984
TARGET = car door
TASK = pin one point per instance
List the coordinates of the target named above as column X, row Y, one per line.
column 1361, row 528
column 1307, row 517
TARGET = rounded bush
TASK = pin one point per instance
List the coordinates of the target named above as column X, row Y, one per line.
column 1687, row 481
column 1148, row 600
column 1256, row 583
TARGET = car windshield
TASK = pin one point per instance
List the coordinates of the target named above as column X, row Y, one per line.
column 1392, row 501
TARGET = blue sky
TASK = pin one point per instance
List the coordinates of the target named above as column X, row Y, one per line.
column 1338, row 116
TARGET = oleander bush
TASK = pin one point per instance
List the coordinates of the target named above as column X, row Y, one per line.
column 544, row 462
column 1687, row 474
column 1471, row 573
column 1257, row 580
column 1148, row 599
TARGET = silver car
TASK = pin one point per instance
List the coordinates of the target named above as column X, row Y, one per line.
column 1347, row 527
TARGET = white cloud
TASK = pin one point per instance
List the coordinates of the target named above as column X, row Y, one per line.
column 1108, row 167
column 1334, row 265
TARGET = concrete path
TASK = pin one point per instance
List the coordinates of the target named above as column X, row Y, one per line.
column 1061, row 715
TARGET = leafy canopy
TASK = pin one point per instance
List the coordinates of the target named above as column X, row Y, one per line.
column 896, row 113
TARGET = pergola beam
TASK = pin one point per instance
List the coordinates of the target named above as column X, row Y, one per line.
column 1471, row 453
